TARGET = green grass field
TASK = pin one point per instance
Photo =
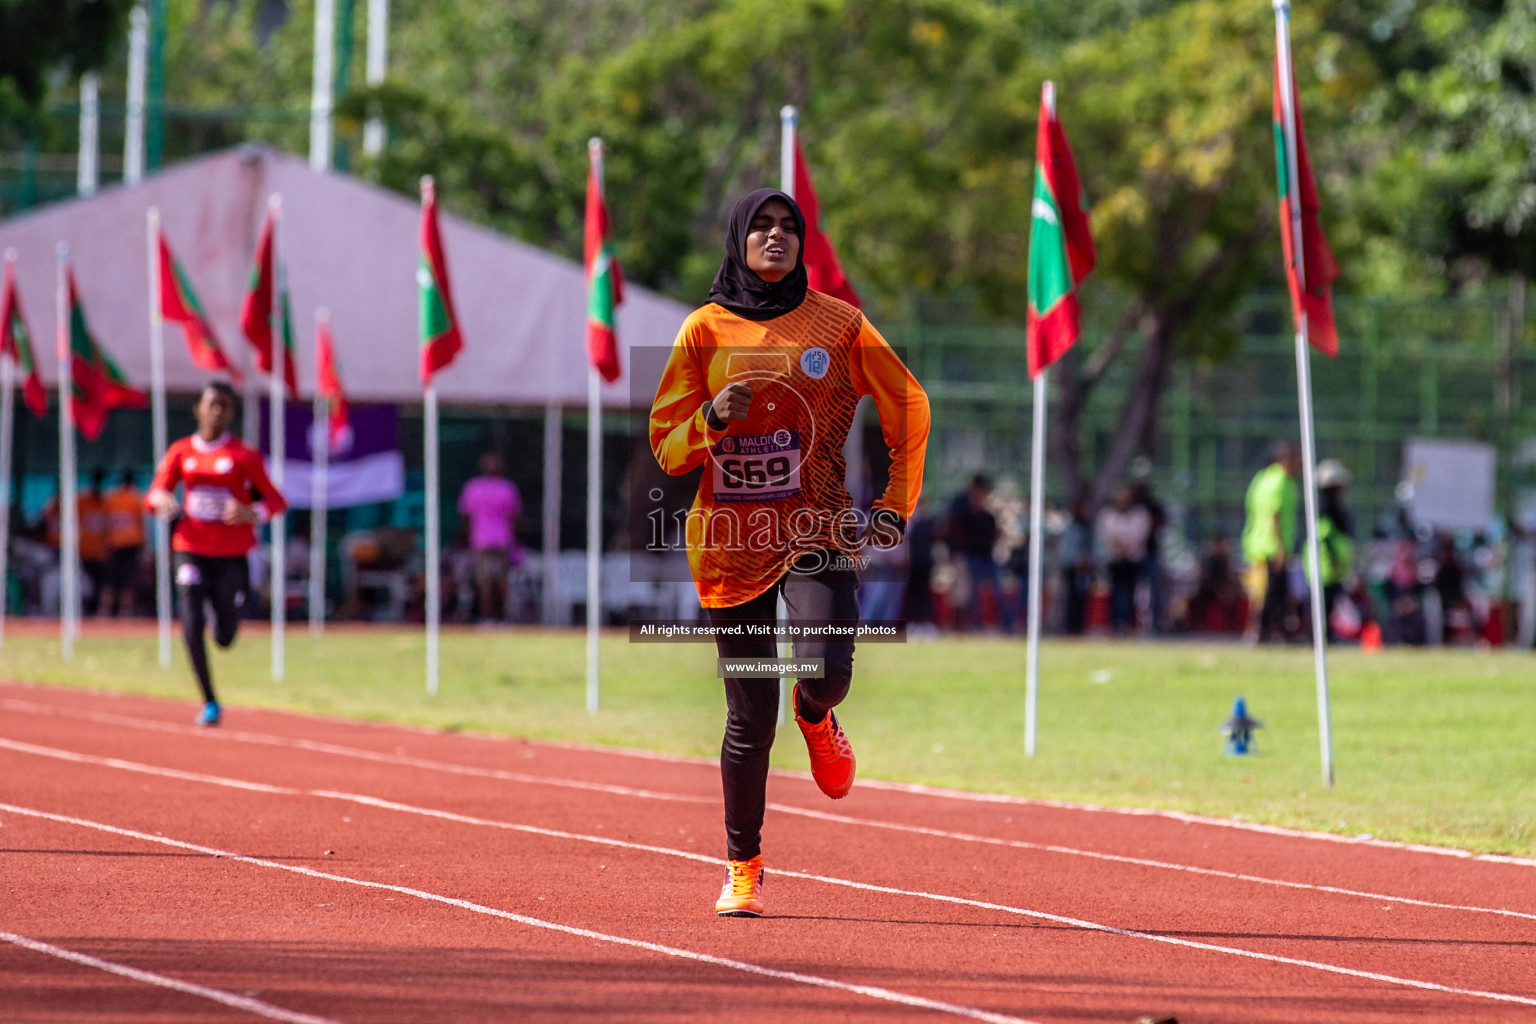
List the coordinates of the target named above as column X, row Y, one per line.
column 1430, row 746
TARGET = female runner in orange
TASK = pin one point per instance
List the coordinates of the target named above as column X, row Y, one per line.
column 760, row 389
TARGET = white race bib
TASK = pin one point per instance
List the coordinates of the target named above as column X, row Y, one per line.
column 756, row 467
column 207, row 504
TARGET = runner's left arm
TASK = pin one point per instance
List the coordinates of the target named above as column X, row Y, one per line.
column 875, row 369
column 271, row 501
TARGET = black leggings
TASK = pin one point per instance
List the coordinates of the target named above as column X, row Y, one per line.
column 221, row 582
column 752, row 705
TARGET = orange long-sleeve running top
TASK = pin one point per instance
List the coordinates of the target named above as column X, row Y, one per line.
column 773, row 485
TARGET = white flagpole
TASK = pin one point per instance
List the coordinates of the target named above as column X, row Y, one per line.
column 434, row 559
column 276, row 444
column 320, row 448
column 789, row 124
column 69, row 523
column 594, row 493
column 87, row 175
column 7, row 422
column 1036, row 522
column 1304, row 389
column 1036, row 547
column 378, row 58
column 138, row 61
column 553, row 444
column 324, row 86
column 434, row 607
column 159, row 429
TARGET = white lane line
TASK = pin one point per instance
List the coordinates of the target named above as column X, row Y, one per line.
column 850, row 884
column 913, row 788
column 400, row 760
column 249, row 1005
column 1022, row 844
column 356, row 753
column 870, row 991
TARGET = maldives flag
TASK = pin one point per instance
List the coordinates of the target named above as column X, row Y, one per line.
column 179, row 305
column 440, row 337
column 16, row 341
column 1315, row 301
column 256, row 308
column 1061, row 249
column 605, row 281
column 328, row 380
column 822, row 270
column 99, row 385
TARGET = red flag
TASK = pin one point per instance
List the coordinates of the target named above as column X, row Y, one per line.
column 179, row 305
column 99, row 385
column 605, row 282
column 1061, row 250
column 16, row 342
column 822, row 270
column 440, row 336
column 1315, row 301
column 256, row 308
column 328, row 379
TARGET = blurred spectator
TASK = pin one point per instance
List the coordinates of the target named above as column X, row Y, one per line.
column 92, row 506
column 1152, row 564
column 490, row 505
column 1450, row 585
column 1124, row 529
column 125, row 546
column 50, row 524
column 1406, row 621
column 883, row 584
column 919, row 541
column 1217, row 602
column 1077, row 567
column 1335, row 538
column 973, row 535
column 1269, row 536
column 1523, row 585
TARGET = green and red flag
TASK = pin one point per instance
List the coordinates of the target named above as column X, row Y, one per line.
column 256, row 307
column 179, row 305
column 1314, row 300
column 328, row 380
column 99, row 384
column 1061, row 251
column 440, row 337
column 16, row 342
column 822, row 270
column 605, row 280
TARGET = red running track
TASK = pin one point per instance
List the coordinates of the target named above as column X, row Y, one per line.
column 292, row 868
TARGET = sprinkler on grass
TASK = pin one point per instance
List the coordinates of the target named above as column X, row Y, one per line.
column 1239, row 729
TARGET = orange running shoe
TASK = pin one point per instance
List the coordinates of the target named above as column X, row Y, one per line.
column 742, row 894
column 832, row 761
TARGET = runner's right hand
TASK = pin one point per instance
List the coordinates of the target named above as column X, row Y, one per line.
column 164, row 503
column 732, row 403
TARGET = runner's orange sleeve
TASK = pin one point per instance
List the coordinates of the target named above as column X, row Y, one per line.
column 680, row 434
column 874, row 369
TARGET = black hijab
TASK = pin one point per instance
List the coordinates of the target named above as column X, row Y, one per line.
column 737, row 287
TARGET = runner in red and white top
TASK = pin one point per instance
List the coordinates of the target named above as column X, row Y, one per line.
column 225, row 493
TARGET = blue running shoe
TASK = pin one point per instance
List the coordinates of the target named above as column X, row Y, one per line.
column 209, row 715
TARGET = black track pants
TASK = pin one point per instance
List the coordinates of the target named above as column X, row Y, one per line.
column 752, row 705
column 220, row 582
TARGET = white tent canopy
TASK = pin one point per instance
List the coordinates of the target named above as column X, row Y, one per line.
column 349, row 246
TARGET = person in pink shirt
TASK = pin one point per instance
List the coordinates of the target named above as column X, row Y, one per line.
column 490, row 506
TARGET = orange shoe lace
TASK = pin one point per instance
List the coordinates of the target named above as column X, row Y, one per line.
column 827, row 740
column 745, row 877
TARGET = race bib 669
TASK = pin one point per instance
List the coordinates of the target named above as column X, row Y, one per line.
column 756, row 467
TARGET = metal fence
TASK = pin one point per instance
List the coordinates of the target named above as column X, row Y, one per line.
column 1442, row 368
